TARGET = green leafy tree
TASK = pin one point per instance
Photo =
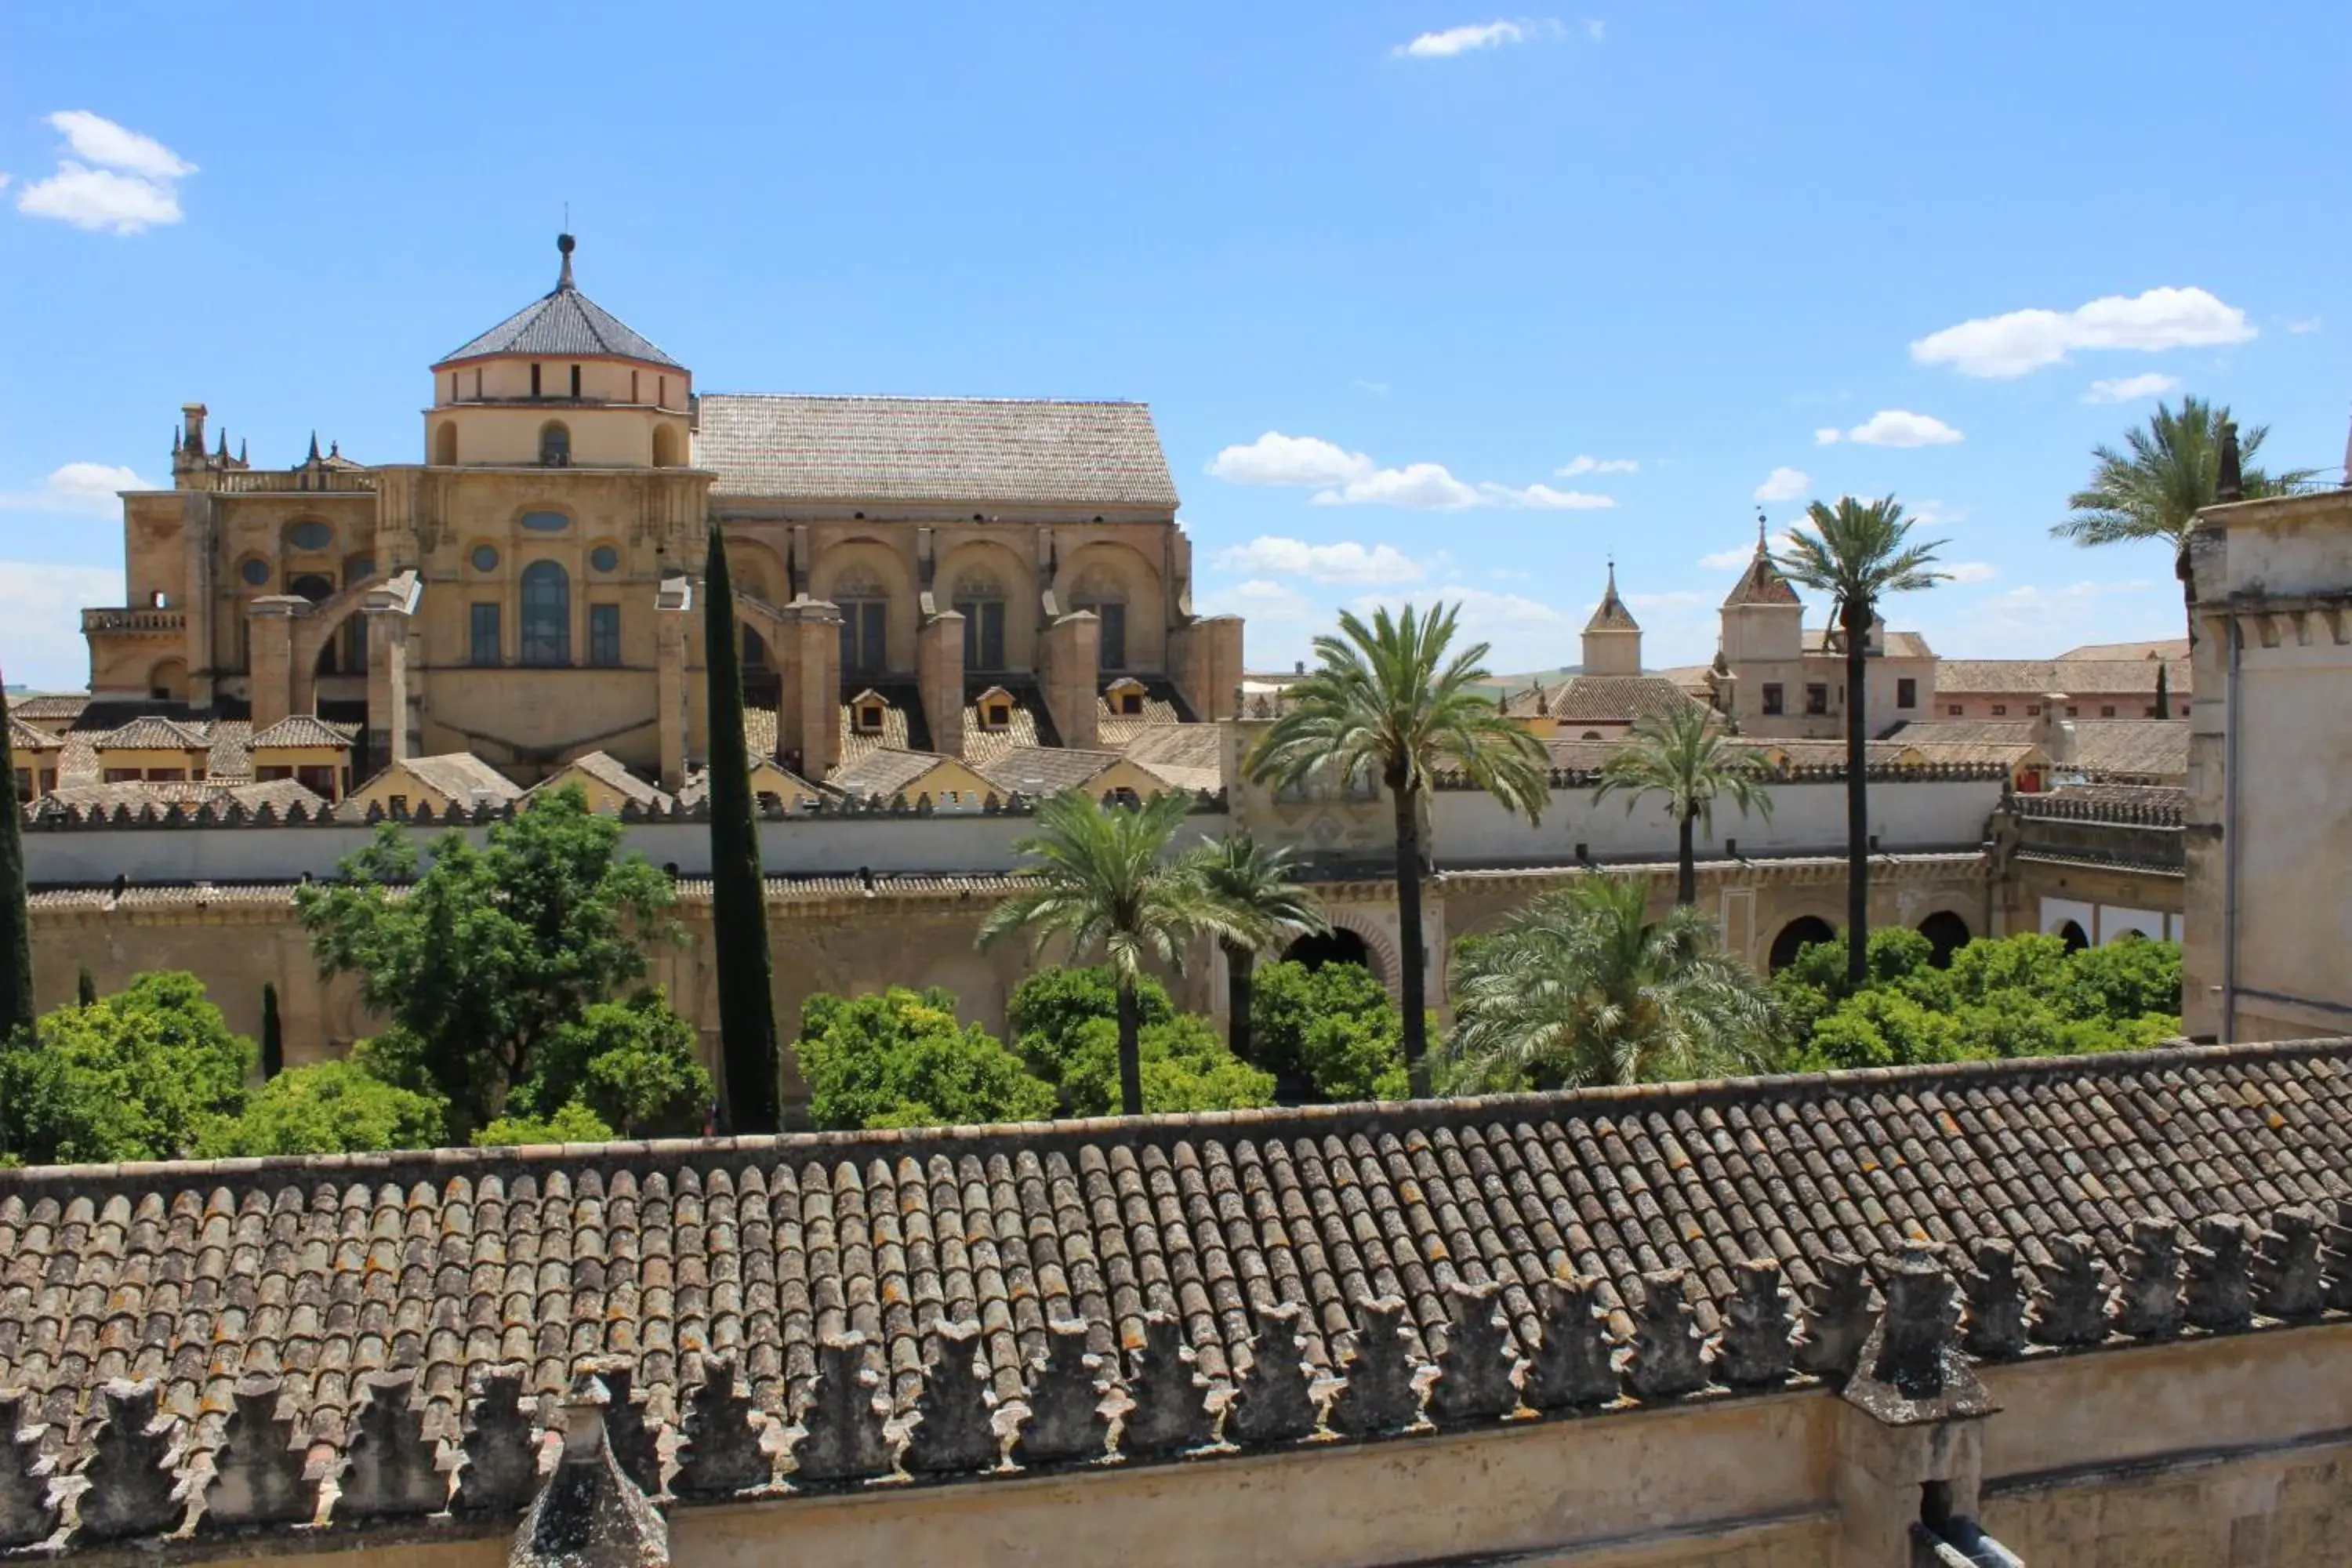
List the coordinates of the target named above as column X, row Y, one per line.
column 570, row 1123
column 1101, row 878
column 1050, row 1009
column 739, row 899
column 900, row 1059
column 1268, row 908
column 1392, row 701
column 137, row 1076
column 1185, row 1066
column 2125, row 979
column 1331, row 1032
column 492, row 950
column 1883, row 1028
column 635, row 1064
column 273, row 1035
column 326, row 1108
column 17, row 1015
column 1684, row 757
column 1581, row 987
column 1858, row 552
column 2169, row 470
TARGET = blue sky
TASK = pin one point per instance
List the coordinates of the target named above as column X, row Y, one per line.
column 1428, row 298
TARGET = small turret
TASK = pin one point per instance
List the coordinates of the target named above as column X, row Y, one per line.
column 1613, row 638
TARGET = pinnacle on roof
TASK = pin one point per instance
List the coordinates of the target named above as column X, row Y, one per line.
column 563, row 324
column 1761, row 583
column 1611, row 615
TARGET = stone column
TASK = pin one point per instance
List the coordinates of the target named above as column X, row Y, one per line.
column 938, row 673
column 673, row 624
column 391, row 733
column 1204, row 657
column 1070, row 654
column 272, row 618
column 196, row 531
column 808, row 720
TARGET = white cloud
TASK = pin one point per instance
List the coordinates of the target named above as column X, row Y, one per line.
column 1784, row 484
column 1543, row 497
column 81, row 488
column 2131, row 388
column 2033, row 598
column 2308, row 325
column 1525, row 634
column 1478, row 604
column 1473, row 36
column 1725, row 560
column 1274, row 458
column 117, row 179
column 1595, row 28
column 1671, row 599
column 1377, row 388
column 1965, row 572
column 1931, row 514
column 40, row 635
column 1262, row 603
column 2025, row 340
column 1347, row 562
column 1581, row 464
column 1424, row 487
column 1827, row 435
column 1901, row 428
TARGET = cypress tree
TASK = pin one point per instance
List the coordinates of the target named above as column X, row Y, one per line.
column 738, row 910
column 86, row 987
column 2163, row 691
column 16, row 920
column 273, row 1041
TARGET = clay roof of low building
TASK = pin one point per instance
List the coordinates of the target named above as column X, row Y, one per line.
column 1044, row 770
column 1604, row 698
column 1965, row 732
column 945, row 449
column 1893, row 645
column 613, row 774
column 303, row 730
column 281, row 794
column 24, row 737
column 1221, row 1235
column 2150, row 748
column 460, row 775
column 2075, row 676
column 48, row 706
column 882, row 770
column 151, row 733
column 2169, row 648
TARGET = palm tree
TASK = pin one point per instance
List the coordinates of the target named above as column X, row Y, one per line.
column 2171, row 471
column 1681, row 756
column 1855, row 553
column 1581, row 987
column 1253, row 884
column 1387, row 700
column 1103, row 879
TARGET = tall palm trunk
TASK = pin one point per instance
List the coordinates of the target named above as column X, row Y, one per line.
column 1241, row 974
column 1130, row 1051
column 1685, row 860
column 1408, row 984
column 16, row 920
column 1855, row 621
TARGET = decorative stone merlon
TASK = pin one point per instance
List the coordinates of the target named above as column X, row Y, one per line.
column 129, row 1468
column 1275, row 1403
column 1837, row 1317
column 590, row 1514
column 1995, row 1327
column 720, row 1455
column 1757, row 1350
column 634, row 1441
column 259, row 1469
column 1669, row 1356
column 1912, row 1371
column 842, row 1437
column 501, row 1448
column 2288, row 1281
column 2336, row 1258
column 1066, row 1424
column 2070, row 1309
column 954, row 1427
column 2221, row 1274
column 1385, row 1381
column 1478, row 1371
column 2148, row 1302
column 1573, row 1368
column 391, row 1468
column 1171, row 1413
column 28, row 1508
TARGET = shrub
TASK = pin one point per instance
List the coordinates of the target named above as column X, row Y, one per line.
column 139, row 1075
column 326, row 1108
column 900, row 1059
column 1186, row 1067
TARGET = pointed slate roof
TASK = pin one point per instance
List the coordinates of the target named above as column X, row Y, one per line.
column 1761, row 584
column 563, row 323
column 1611, row 615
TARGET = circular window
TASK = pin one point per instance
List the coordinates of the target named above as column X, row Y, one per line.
column 485, row 558
column 310, row 536
column 255, row 573
column 546, row 522
column 605, row 558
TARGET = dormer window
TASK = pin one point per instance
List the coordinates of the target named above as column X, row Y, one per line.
column 995, row 706
column 554, row 441
column 867, row 712
column 1126, row 698
column 1000, row 717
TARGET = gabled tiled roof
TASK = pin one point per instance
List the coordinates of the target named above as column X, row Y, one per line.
column 49, row 705
column 1043, row 770
column 882, row 770
column 1965, row 732
column 301, row 730
column 460, row 775
column 843, row 1254
column 2156, row 749
column 562, row 323
column 24, row 737
column 2169, row 648
column 1760, row 584
column 611, row 772
column 155, row 734
column 1892, row 644
column 1610, row 698
column 1611, row 615
column 959, row 450
column 2083, row 678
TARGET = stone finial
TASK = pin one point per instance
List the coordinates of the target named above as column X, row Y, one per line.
column 2070, row 1307
column 2147, row 1301
column 1065, row 1424
column 2336, row 1258
column 2230, row 482
column 954, row 1427
column 2220, row 1273
column 590, row 1514
column 1573, row 1367
column 2287, row 1278
column 1385, row 1380
column 1995, row 1328
column 1757, row 1350
column 29, row 1509
column 842, row 1437
column 635, row 1444
column 1669, row 1356
column 1274, row 1403
column 1478, row 1371
column 1837, row 1318
column 389, row 1468
column 129, row 1468
column 1172, row 1411
column 721, row 1454
column 1911, row 1370
column 499, row 1444
column 258, row 1470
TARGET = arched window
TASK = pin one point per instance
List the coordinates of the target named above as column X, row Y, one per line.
column 445, row 436
column 1796, row 936
column 1099, row 592
column 980, row 602
column 865, row 624
column 554, row 444
column 546, row 615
